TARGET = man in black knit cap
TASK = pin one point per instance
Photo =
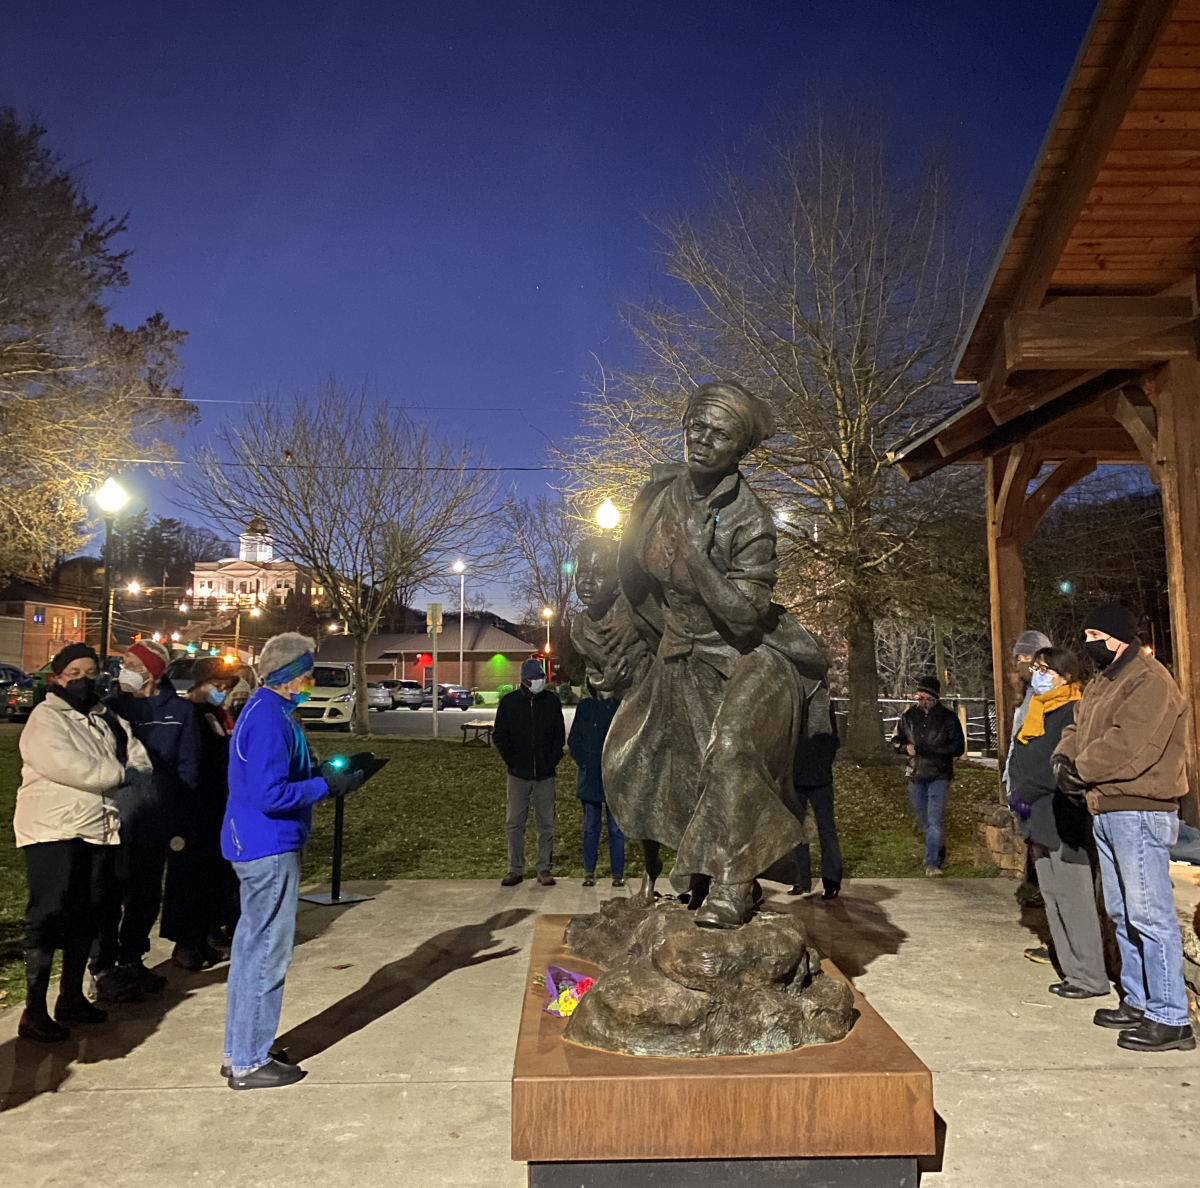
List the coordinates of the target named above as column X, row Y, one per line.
column 1124, row 754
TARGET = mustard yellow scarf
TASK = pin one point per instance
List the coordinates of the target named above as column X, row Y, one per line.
column 1034, row 725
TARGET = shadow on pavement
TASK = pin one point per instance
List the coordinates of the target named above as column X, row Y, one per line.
column 851, row 930
column 28, row 1069
column 395, row 983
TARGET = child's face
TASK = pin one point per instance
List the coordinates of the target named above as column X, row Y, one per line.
column 595, row 577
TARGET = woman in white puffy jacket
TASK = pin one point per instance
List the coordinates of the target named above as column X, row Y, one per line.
column 76, row 754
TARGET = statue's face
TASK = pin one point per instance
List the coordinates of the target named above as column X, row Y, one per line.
column 712, row 440
column 595, row 577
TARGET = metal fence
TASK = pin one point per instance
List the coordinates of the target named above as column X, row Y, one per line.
column 980, row 715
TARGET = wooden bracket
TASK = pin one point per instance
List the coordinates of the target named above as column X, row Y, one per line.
column 1017, row 510
column 1139, row 419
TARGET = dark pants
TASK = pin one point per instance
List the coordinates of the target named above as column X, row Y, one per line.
column 201, row 893
column 594, row 813
column 134, row 893
column 820, row 800
column 66, row 882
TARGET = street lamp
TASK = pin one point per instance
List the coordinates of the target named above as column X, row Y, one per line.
column 548, row 615
column 110, row 499
column 607, row 515
column 460, row 568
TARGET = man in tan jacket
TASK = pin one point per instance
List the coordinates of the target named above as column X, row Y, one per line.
column 1125, row 754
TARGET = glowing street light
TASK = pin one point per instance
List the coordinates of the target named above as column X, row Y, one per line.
column 175, row 636
column 134, row 588
column 607, row 515
column 110, row 498
column 183, row 608
column 460, row 568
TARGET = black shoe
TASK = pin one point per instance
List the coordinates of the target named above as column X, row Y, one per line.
column 1149, row 1036
column 277, row 1054
column 512, row 878
column 1065, row 989
column 42, row 1029
column 190, row 959
column 1041, row 955
column 545, row 878
column 78, row 1010
column 799, row 889
column 618, row 881
column 114, row 984
column 830, row 891
column 146, row 981
column 589, row 878
column 1121, row 1019
column 272, row 1075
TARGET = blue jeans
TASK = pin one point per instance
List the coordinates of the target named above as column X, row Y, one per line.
column 1139, row 898
column 927, row 799
column 262, row 952
column 593, row 814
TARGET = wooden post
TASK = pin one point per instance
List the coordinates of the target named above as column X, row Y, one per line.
column 1179, row 468
column 1006, row 586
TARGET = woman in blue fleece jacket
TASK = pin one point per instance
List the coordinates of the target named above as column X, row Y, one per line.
column 272, row 788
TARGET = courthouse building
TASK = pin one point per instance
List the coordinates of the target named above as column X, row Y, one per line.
column 253, row 577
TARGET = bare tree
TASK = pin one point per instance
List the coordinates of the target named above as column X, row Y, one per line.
column 836, row 290
column 368, row 501
column 538, row 539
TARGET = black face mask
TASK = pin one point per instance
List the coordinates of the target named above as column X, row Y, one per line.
column 1097, row 649
column 79, row 694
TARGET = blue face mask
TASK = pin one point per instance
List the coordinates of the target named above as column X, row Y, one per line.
column 215, row 697
column 1041, row 682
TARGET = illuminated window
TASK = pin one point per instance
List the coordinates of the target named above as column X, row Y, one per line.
column 75, row 621
column 39, row 614
column 56, row 627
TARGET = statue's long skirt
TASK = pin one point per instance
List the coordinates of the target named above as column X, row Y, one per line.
column 702, row 763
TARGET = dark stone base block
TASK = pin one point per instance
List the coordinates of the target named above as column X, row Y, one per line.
column 898, row 1172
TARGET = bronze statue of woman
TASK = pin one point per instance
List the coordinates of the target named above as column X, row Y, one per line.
column 699, row 755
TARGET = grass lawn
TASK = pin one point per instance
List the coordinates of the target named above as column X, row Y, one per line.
column 437, row 812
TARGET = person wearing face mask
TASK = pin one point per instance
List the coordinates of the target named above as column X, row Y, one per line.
column 1058, row 827
column 268, row 817
column 165, row 724
column 76, row 754
column 530, row 735
column 1124, row 754
column 200, row 897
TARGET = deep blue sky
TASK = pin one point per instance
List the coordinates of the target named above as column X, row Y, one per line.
column 450, row 201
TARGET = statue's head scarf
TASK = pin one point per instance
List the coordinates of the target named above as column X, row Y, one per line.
column 753, row 415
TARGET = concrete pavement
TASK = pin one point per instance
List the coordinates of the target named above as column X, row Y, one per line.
column 405, row 1010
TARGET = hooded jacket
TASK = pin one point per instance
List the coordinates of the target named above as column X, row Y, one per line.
column 530, row 733
column 271, row 784
column 71, row 773
column 1128, row 737
column 166, row 726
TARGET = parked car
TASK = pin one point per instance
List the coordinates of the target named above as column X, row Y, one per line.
column 16, row 701
column 378, row 698
column 10, row 674
column 450, row 697
column 396, row 689
column 331, row 702
column 179, row 673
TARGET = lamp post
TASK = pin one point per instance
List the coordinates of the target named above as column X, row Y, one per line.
column 460, row 568
column 608, row 515
column 110, row 498
column 548, row 615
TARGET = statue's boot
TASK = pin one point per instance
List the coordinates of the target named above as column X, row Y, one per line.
column 645, row 893
column 727, row 905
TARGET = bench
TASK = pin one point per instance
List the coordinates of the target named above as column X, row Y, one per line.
column 481, row 733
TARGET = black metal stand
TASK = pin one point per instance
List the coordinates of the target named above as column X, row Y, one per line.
column 888, row 1172
column 335, row 895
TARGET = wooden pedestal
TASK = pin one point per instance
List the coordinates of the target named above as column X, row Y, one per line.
column 866, row 1101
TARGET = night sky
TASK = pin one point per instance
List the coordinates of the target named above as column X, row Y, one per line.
column 451, row 201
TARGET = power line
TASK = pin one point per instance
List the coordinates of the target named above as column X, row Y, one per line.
column 476, row 408
column 310, row 466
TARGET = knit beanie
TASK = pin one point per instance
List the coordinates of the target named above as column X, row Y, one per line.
column 1029, row 643
column 1113, row 619
column 75, row 651
column 930, row 684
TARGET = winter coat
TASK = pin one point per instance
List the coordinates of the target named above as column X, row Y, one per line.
column 166, row 726
column 1128, row 737
column 812, row 766
column 271, row 784
column 215, row 728
column 938, row 738
column 70, row 774
column 593, row 716
column 1056, row 821
column 530, row 733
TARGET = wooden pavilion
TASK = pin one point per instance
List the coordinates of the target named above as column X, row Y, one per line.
column 1084, row 347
